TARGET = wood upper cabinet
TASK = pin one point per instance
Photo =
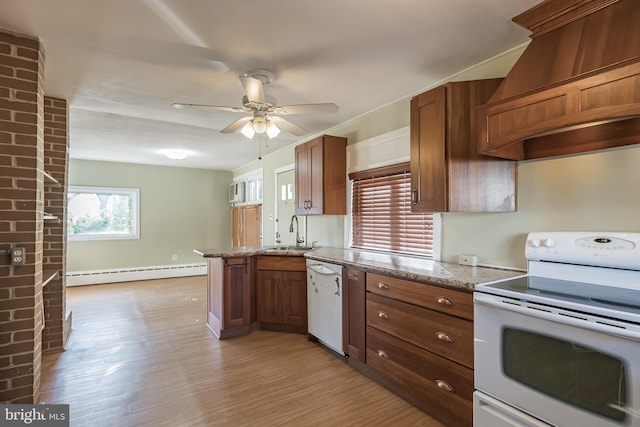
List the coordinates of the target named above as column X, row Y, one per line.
column 447, row 172
column 353, row 314
column 321, row 176
column 229, row 296
column 281, row 293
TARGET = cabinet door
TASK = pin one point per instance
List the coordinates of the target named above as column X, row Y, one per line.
column 316, row 176
column 353, row 314
column 268, row 292
column 237, row 292
column 302, row 172
column 294, row 294
column 428, row 167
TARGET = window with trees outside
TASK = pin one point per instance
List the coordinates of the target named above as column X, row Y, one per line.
column 103, row 213
column 381, row 217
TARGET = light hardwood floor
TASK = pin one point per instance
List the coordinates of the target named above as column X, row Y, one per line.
column 140, row 355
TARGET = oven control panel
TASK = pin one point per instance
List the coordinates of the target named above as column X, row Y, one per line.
column 611, row 249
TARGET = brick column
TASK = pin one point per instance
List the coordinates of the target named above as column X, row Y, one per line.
column 57, row 325
column 21, row 215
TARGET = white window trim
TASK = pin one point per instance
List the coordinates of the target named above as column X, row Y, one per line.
column 115, row 190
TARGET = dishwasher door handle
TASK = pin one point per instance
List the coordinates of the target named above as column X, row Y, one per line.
column 321, row 269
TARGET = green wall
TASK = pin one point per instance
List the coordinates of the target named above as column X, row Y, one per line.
column 180, row 209
column 589, row 192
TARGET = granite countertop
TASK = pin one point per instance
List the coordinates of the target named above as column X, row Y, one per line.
column 437, row 273
column 251, row 251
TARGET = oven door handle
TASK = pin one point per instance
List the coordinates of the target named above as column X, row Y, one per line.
column 578, row 320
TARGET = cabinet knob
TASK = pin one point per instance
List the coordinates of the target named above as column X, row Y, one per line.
column 443, row 385
column 383, row 315
column 443, row 301
column 383, row 286
column 383, row 354
column 444, row 337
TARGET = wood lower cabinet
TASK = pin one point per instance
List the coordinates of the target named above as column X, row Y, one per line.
column 281, row 293
column 353, row 314
column 434, row 384
column 447, row 172
column 419, row 341
column 229, row 293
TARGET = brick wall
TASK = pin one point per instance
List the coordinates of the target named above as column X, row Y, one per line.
column 21, row 215
column 57, row 327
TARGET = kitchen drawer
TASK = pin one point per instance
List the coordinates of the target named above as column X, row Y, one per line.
column 438, row 386
column 439, row 333
column 448, row 301
column 281, row 263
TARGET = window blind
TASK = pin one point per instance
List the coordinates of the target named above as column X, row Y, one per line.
column 381, row 213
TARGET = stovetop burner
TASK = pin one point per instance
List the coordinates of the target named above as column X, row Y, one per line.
column 603, row 300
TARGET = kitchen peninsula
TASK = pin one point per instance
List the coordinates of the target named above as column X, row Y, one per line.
column 407, row 322
column 235, row 279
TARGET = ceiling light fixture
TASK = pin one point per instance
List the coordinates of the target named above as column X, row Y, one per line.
column 260, row 125
column 272, row 129
column 176, row 154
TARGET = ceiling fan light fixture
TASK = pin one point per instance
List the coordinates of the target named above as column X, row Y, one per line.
column 247, row 130
column 272, row 129
column 259, row 124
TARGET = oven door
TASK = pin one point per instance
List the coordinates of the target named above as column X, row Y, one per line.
column 562, row 367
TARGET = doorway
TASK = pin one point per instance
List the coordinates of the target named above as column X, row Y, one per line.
column 285, row 208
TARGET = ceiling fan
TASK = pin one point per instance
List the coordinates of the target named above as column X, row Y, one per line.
column 266, row 114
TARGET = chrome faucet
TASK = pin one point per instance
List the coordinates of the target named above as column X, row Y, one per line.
column 298, row 239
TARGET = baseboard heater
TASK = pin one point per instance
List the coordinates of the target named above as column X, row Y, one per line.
column 94, row 277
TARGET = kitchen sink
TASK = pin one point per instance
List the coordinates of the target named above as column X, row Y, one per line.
column 290, row 248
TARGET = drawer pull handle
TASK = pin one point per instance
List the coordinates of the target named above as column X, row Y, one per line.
column 383, row 315
column 442, row 385
column 443, row 301
column 444, row 337
column 383, row 286
column 353, row 275
column 383, row 354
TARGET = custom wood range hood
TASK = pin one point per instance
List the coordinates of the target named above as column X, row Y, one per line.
column 575, row 88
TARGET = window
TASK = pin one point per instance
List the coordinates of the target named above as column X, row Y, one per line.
column 102, row 213
column 381, row 216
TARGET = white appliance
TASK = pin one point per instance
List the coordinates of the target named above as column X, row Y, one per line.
column 324, row 303
column 560, row 345
column 236, row 192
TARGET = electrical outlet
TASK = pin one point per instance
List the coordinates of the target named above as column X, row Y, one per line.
column 174, row 257
column 18, row 256
column 471, row 260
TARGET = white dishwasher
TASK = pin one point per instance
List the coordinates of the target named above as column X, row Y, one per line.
column 324, row 303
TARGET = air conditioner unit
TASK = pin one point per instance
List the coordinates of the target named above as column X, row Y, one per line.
column 236, row 192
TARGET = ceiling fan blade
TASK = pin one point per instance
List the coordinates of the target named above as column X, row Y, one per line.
column 328, row 107
column 211, row 107
column 253, row 89
column 292, row 128
column 233, row 127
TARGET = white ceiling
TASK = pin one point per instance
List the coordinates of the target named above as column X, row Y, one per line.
column 121, row 63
